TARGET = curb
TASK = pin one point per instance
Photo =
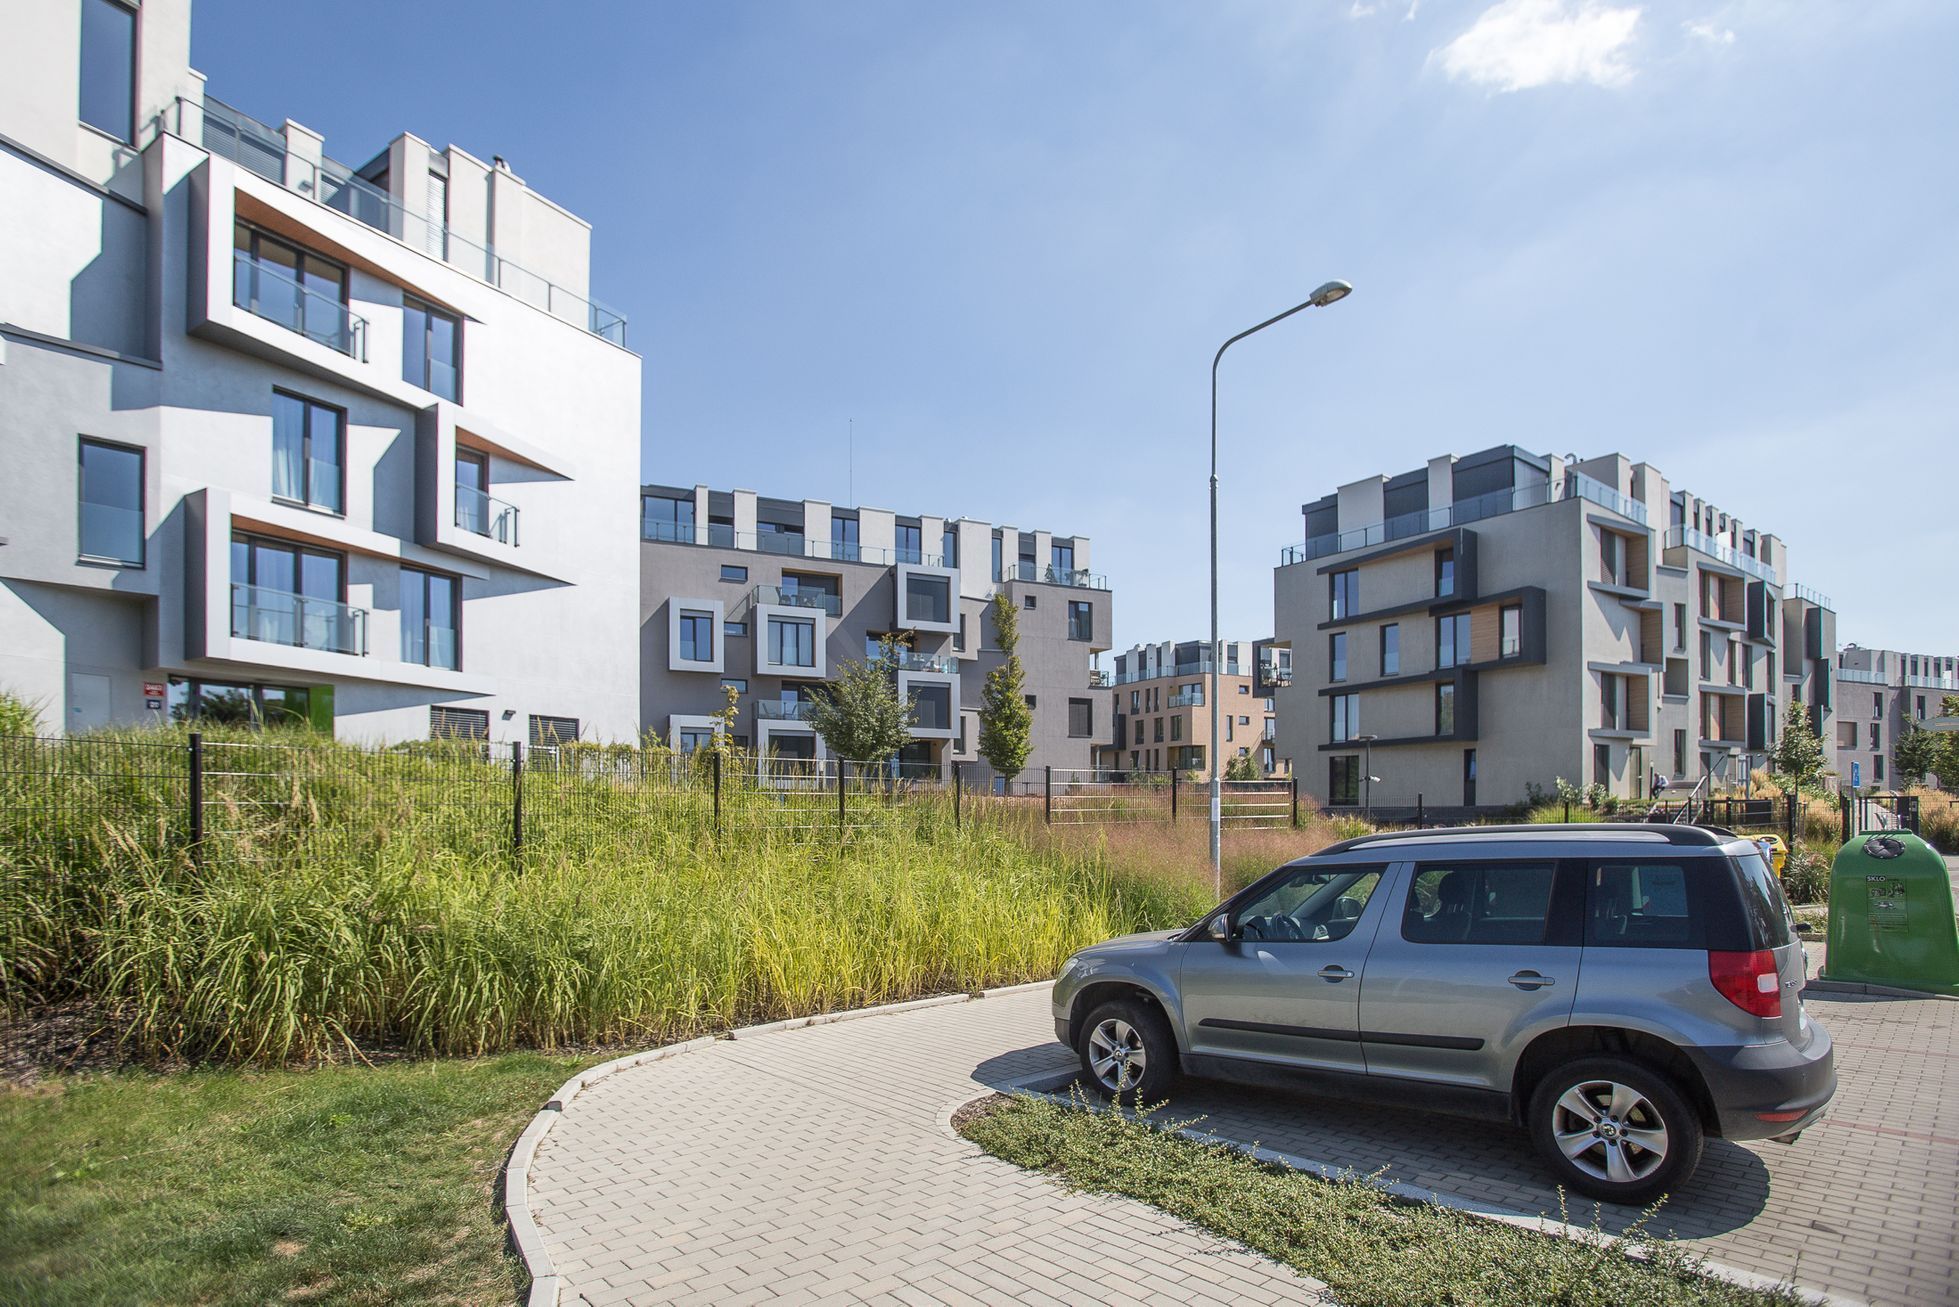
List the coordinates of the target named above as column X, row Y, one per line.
column 1822, row 986
column 528, row 1241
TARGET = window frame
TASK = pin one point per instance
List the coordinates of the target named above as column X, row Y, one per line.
column 1336, row 656
column 780, row 624
column 430, row 315
column 475, row 716
column 1087, row 709
column 1445, row 565
column 1081, row 621
column 142, row 510
column 1343, row 709
column 1391, row 666
column 131, row 91
column 307, row 404
column 426, row 575
column 686, row 622
column 1343, row 585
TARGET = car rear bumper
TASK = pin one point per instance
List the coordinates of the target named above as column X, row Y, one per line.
column 1762, row 1091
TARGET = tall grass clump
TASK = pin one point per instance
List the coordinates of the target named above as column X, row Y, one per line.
column 345, row 900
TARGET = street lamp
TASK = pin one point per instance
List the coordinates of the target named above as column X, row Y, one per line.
column 1367, row 777
column 1332, row 292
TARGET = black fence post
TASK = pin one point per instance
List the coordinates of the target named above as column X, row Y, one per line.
column 517, row 804
column 1047, row 794
column 1421, row 813
column 1791, row 819
column 197, row 799
column 957, row 793
column 1843, row 816
column 1173, row 798
column 843, row 772
column 1567, row 812
column 717, row 791
column 1295, row 800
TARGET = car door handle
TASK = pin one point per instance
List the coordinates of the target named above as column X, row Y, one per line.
column 1531, row 980
column 1335, row 972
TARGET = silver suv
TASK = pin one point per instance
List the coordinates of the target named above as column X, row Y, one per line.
column 1619, row 991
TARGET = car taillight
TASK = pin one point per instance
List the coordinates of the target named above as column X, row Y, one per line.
column 1748, row 980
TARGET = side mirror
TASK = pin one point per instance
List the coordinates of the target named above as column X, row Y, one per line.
column 1220, row 929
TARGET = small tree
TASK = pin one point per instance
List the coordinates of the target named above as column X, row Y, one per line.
column 1919, row 751
column 1946, row 764
column 1244, row 767
column 1798, row 752
column 859, row 714
column 1006, row 722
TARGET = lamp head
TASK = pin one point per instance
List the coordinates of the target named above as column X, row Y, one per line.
column 1331, row 293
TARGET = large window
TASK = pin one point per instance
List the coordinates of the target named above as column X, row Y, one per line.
column 431, row 349
column 1345, row 594
column 1391, row 649
column 1479, row 903
column 933, row 706
column 1510, row 631
column 235, row 704
column 109, row 497
column 1445, row 574
column 295, row 288
column 1336, row 655
column 308, row 442
column 1345, row 710
column 1343, row 781
column 792, row 642
column 1081, row 620
column 108, row 72
column 458, row 723
column 696, row 636
column 664, row 517
column 911, row 544
column 1452, row 640
column 928, row 599
column 431, row 619
column 843, row 539
column 287, row 593
column 1063, row 554
column 1445, row 709
column 949, row 547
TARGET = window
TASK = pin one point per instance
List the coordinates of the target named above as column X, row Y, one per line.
column 254, row 706
column 1159, row 730
column 662, row 517
column 1469, row 778
column 1343, row 781
column 1027, row 601
column 298, row 289
column 289, row 594
column 431, row 349
column 1641, row 905
column 734, row 630
column 1510, row 631
column 1680, row 627
column 1230, row 730
column 1920, row 705
column 1345, row 711
column 1877, row 705
column 473, row 493
column 1608, row 557
column 1031, row 701
column 1445, row 573
column 1452, row 640
column 458, row 723
column 933, row 704
column 997, row 564
column 109, row 500
column 1336, row 654
column 306, row 452
column 1176, row 729
column 1245, row 690
column 1391, row 649
column 1063, row 565
column 910, row 543
column 1140, row 725
column 1479, row 903
column 949, row 552
column 108, row 73
column 1602, row 765
column 792, row 642
column 1608, row 689
column 1876, row 742
column 1679, row 753
column 1081, row 620
column 549, row 731
column 1081, row 718
column 1134, row 697
column 1309, row 906
column 696, row 636
column 1345, row 588
column 735, row 573
column 959, row 636
column 692, row 739
column 431, row 619
column 1445, row 710
column 739, row 684
column 1707, row 656
column 843, row 539
column 1877, row 765
column 928, row 599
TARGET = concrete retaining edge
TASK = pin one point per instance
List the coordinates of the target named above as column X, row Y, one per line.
column 528, row 1241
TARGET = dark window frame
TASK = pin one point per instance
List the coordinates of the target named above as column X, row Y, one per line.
column 306, row 500
column 473, row 716
column 142, row 510
column 126, row 133
column 430, row 316
column 424, row 575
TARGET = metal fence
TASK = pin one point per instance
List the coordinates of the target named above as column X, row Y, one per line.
column 1096, row 796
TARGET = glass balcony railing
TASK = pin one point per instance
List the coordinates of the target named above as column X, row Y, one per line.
column 782, row 710
column 266, row 291
column 908, row 660
column 1081, row 578
column 261, row 149
column 1816, row 597
column 486, row 515
column 303, row 621
column 1099, row 679
column 1685, row 537
column 1190, row 698
column 786, row 598
column 719, row 535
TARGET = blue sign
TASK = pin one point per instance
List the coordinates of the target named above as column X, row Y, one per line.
column 1856, row 775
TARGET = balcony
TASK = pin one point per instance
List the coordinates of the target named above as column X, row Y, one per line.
column 261, row 149
column 304, row 622
column 1685, row 537
column 261, row 289
column 1575, row 485
column 775, row 596
column 1190, row 697
column 1859, row 676
column 486, row 515
column 1080, row 578
column 782, row 710
column 786, row 544
column 1809, row 596
column 1275, row 673
column 1099, row 679
column 907, row 660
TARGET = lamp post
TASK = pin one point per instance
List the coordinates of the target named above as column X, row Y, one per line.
column 1332, row 292
column 1367, row 777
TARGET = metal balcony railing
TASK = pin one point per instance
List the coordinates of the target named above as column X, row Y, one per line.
column 1025, row 570
column 1817, row 597
column 253, row 145
column 776, row 595
column 1685, row 537
column 719, row 535
column 263, row 290
column 486, row 515
column 303, row 621
column 907, row 660
column 1099, row 679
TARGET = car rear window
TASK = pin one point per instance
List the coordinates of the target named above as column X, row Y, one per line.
column 1642, row 905
column 1770, row 923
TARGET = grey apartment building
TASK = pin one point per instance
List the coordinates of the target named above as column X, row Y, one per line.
column 1501, row 619
column 771, row 596
column 1882, row 693
column 292, row 441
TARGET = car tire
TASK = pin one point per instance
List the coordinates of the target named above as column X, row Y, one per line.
column 1614, row 1129
column 1127, row 1051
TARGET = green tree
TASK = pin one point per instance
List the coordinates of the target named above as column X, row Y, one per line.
column 1946, row 762
column 1006, row 722
column 1798, row 752
column 1918, row 751
column 18, row 716
column 1244, row 767
column 859, row 714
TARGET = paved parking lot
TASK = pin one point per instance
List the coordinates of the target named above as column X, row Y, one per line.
column 815, row 1163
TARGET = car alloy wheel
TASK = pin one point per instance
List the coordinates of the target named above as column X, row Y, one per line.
column 1610, row 1131
column 1116, row 1055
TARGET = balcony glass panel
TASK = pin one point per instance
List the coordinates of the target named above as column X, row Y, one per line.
column 269, row 287
column 486, row 515
column 797, row 597
column 282, row 617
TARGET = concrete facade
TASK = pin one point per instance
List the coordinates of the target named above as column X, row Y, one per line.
column 1882, row 694
column 1508, row 618
column 431, row 439
column 744, row 561
column 1160, row 714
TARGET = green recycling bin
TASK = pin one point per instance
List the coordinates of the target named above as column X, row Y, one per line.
column 1891, row 917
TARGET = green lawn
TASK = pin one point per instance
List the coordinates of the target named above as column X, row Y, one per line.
column 342, row 1184
column 1368, row 1247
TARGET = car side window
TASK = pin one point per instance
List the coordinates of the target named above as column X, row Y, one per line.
column 1641, row 905
column 1479, row 903
column 1309, row 905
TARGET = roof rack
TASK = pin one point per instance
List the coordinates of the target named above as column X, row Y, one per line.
column 1669, row 832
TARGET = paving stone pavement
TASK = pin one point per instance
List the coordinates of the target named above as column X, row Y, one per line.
column 812, row 1165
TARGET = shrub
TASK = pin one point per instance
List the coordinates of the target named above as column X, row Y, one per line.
column 1806, row 876
column 18, row 716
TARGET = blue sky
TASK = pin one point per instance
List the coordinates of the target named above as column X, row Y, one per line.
column 1005, row 239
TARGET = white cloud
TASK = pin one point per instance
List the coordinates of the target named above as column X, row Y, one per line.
column 1519, row 44
column 1709, row 32
column 1362, row 9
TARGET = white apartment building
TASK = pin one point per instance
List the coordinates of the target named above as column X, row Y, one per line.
column 289, row 440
